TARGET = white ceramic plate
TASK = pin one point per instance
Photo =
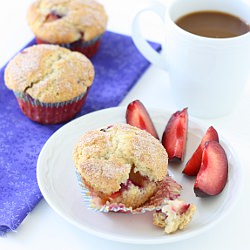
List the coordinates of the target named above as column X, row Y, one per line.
column 58, row 184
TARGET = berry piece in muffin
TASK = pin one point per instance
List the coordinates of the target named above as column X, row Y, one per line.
column 52, row 16
column 51, row 83
column 123, row 168
column 75, row 24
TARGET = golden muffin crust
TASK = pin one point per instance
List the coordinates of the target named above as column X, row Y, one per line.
column 104, row 158
column 49, row 73
column 77, row 19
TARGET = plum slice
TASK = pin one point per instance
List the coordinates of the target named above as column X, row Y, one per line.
column 138, row 116
column 175, row 135
column 213, row 173
column 193, row 165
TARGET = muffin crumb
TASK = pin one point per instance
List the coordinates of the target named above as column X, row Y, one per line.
column 175, row 215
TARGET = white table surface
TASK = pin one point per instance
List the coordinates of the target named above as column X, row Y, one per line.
column 44, row 229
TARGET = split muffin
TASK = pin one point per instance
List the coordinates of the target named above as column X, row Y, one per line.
column 50, row 83
column 75, row 24
column 123, row 168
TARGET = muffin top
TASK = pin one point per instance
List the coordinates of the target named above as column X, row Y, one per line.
column 104, row 158
column 66, row 21
column 49, row 73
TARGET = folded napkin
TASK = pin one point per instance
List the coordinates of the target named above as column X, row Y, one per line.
column 118, row 65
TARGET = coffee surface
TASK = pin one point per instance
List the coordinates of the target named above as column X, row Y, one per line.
column 213, row 24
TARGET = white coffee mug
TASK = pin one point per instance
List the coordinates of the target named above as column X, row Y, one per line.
column 207, row 75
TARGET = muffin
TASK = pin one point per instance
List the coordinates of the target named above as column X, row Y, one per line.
column 50, row 83
column 75, row 24
column 123, row 168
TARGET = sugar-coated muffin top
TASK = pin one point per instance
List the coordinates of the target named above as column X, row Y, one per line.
column 105, row 157
column 66, row 21
column 49, row 73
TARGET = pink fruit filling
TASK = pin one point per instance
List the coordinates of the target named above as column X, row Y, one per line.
column 135, row 179
column 52, row 16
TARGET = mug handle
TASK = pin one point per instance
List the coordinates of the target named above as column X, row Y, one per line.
column 146, row 50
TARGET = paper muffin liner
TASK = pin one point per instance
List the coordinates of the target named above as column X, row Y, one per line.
column 50, row 113
column 167, row 189
column 88, row 48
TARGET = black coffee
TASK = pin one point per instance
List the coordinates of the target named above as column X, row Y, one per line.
column 213, row 24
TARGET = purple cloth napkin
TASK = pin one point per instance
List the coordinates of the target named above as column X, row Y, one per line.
column 118, row 65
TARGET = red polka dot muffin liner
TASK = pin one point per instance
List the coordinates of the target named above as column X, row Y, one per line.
column 50, row 113
column 88, row 48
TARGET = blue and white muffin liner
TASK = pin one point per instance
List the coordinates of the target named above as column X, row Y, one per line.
column 168, row 189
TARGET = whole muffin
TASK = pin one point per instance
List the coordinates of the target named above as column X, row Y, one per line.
column 75, row 24
column 120, row 165
column 50, row 82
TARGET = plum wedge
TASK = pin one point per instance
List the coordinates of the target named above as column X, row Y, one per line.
column 193, row 165
column 138, row 116
column 213, row 173
column 175, row 135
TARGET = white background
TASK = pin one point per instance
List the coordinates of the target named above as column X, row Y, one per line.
column 44, row 229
